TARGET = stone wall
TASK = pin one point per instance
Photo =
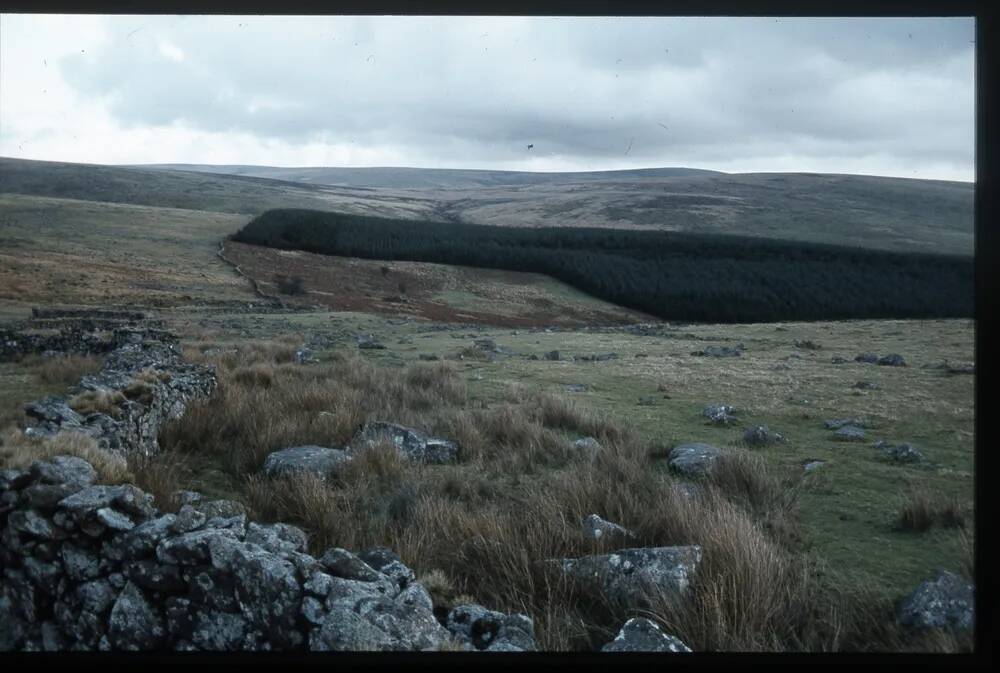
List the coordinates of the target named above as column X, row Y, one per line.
column 92, row 567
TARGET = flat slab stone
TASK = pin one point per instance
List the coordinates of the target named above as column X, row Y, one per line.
column 322, row 461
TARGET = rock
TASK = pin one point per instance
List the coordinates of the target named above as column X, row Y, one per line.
column 346, row 631
column 368, row 341
column 720, row 414
column 904, row 453
column 79, row 563
column 126, row 498
column 647, row 400
column 216, row 631
column 865, row 385
column 720, row 351
column 760, row 435
column 892, row 360
column 629, row 575
column 187, row 519
column 411, row 627
column 587, row 447
column 486, row 344
column 225, row 509
column 386, row 562
column 596, row 528
column 577, row 388
column 318, row 460
column 32, row 523
column 552, row 355
column 134, row 623
column 946, row 601
column 46, row 497
column 141, row 541
column 113, row 519
column 429, row 357
column 13, row 480
column 416, row 595
column 269, row 595
column 642, row 635
column 838, row 360
column 214, row 546
column 694, row 458
column 810, row 465
column 64, row 470
column 277, row 537
column 487, row 629
column 411, row 443
column 187, row 497
column 154, row 576
column 866, row 358
column 849, row 433
column 838, row 423
column 342, row 563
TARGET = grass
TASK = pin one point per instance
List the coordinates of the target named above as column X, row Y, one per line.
column 922, row 509
column 517, row 497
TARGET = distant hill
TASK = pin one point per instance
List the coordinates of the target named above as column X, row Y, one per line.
column 429, row 178
column 893, row 214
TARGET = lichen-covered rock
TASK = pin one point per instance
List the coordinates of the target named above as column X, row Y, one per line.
column 346, row 631
column 32, row 523
column 903, row 453
column 342, row 563
column 135, row 624
column 596, row 528
column 64, row 470
column 849, row 433
column 630, row 575
column 761, row 435
column 386, row 562
column 693, row 459
column 411, row 443
column 318, row 460
column 892, row 360
column 642, row 635
column 277, row 537
column 126, row 498
column 720, row 414
column 269, row 595
column 218, row 631
column 946, row 601
column 487, row 629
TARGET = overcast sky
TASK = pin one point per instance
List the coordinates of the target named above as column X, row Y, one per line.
column 869, row 96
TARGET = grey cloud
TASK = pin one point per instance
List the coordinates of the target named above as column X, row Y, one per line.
column 722, row 88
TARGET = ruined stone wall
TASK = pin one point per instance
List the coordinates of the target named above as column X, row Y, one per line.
column 92, row 567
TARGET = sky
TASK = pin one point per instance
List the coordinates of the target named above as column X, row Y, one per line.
column 871, row 96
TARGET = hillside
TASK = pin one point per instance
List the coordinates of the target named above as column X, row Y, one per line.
column 874, row 212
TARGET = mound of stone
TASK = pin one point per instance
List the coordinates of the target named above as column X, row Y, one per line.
column 643, row 635
column 693, row 459
column 632, row 575
column 945, row 601
column 321, row 461
column 412, row 443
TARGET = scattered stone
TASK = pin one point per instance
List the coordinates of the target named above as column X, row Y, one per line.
column 647, row 401
column 849, row 433
column 721, row 351
column 838, row 360
column 903, row 453
column 318, row 460
column 369, row 342
column 812, row 464
column 760, row 435
column 837, row 423
column 630, row 575
column 587, row 445
column 865, row 385
column 412, row 443
column 892, row 360
column 642, row 635
column 807, row 344
column 694, row 458
column 946, row 601
column 577, row 388
column 596, row 528
column 866, row 358
column 720, row 414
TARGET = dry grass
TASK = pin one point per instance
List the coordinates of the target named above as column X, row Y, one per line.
column 65, row 370
column 921, row 510
column 480, row 529
column 97, row 401
column 18, row 451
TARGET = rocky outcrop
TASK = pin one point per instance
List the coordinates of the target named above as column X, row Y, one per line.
column 945, row 601
column 95, row 567
column 632, row 575
column 142, row 385
column 643, row 635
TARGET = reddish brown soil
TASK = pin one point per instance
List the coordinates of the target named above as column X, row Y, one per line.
column 508, row 298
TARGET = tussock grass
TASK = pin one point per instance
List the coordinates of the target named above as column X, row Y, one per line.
column 63, row 370
column 18, row 451
column 481, row 529
column 97, row 401
column 921, row 510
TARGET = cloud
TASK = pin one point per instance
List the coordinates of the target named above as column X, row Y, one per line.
column 589, row 93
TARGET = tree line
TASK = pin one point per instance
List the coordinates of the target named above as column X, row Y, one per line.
column 673, row 275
